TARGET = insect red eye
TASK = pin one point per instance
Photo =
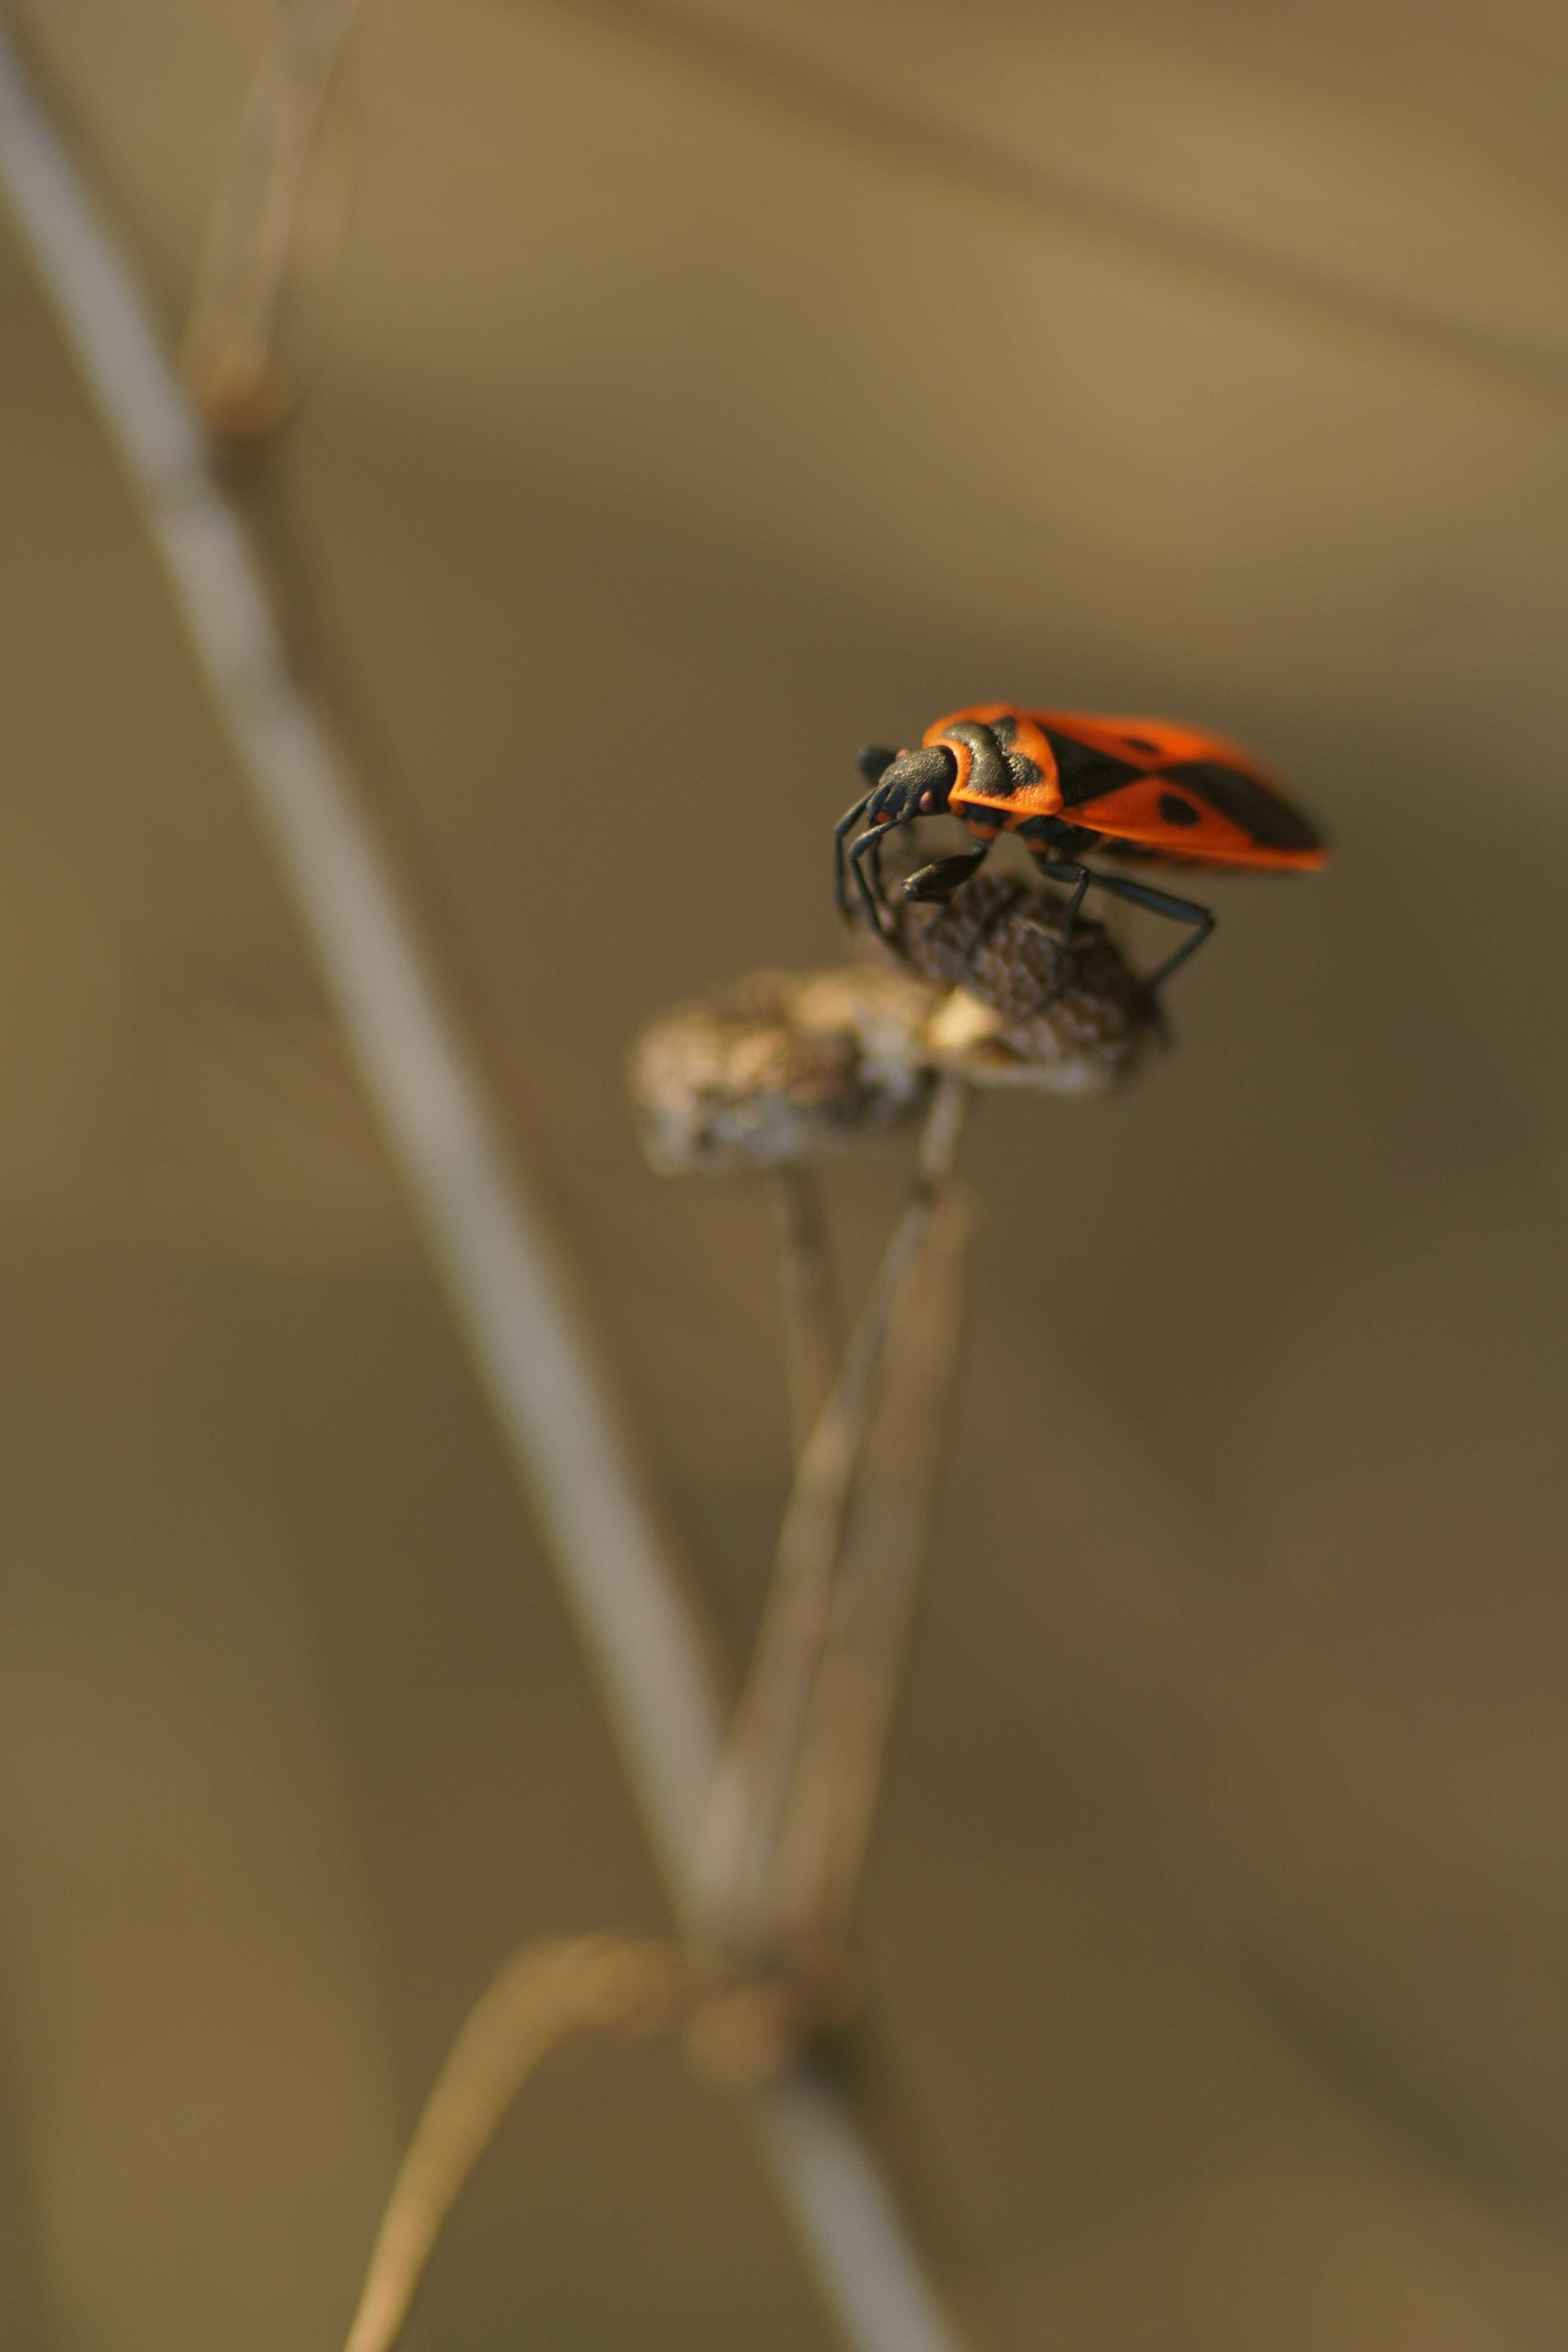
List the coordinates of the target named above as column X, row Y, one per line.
column 1175, row 810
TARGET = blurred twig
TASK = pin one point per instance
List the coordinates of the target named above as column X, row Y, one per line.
column 817, row 1870
column 748, row 2014
column 808, row 1295
column 761, row 1751
column 501, row 1262
column 514, row 1301
column 545, row 1992
column 268, row 239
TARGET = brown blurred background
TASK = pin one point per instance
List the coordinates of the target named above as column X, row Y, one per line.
column 748, row 379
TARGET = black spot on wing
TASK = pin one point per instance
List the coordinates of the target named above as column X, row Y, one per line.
column 1262, row 815
column 1176, row 809
column 1085, row 773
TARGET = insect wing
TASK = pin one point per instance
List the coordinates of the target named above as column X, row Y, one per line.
column 1172, row 790
column 1176, row 792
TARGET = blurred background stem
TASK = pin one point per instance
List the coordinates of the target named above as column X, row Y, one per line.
column 545, row 1992
column 513, row 1298
column 274, row 232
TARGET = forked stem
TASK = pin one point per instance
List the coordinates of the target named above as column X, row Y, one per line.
column 753, row 1782
column 814, row 1880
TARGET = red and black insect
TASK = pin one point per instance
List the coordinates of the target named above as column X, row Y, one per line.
column 1070, row 785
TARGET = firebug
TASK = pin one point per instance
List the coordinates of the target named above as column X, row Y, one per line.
column 1070, row 786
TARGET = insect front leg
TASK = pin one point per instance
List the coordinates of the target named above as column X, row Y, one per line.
column 909, row 784
column 873, row 763
column 895, row 801
column 846, row 825
column 946, row 874
column 869, row 850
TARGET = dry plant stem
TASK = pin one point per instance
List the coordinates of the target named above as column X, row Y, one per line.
column 808, row 1295
column 257, row 243
column 512, row 1304
column 500, row 1264
column 545, row 1992
column 820, row 1861
column 761, row 1753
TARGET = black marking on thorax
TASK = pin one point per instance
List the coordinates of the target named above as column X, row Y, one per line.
column 1021, row 770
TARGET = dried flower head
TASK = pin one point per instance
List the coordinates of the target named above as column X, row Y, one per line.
column 782, row 1067
column 1022, row 1013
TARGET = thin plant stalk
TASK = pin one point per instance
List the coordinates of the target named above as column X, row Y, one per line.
column 501, row 1264
column 549, row 1990
column 272, row 238
column 760, row 1756
column 545, row 1992
column 818, row 1868
column 514, row 1301
column 808, row 1297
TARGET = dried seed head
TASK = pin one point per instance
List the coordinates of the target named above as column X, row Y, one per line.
column 1020, row 1013
column 782, row 1067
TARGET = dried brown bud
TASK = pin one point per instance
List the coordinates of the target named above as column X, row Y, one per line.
column 1021, row 1013
column 782, row 1067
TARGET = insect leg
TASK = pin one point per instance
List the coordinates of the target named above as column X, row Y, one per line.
column 845, row 823
column 870, row 848
column 946, row 874
column 943, row 878
column 1160, row 902
column 873, row 764
column 1067, row 869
